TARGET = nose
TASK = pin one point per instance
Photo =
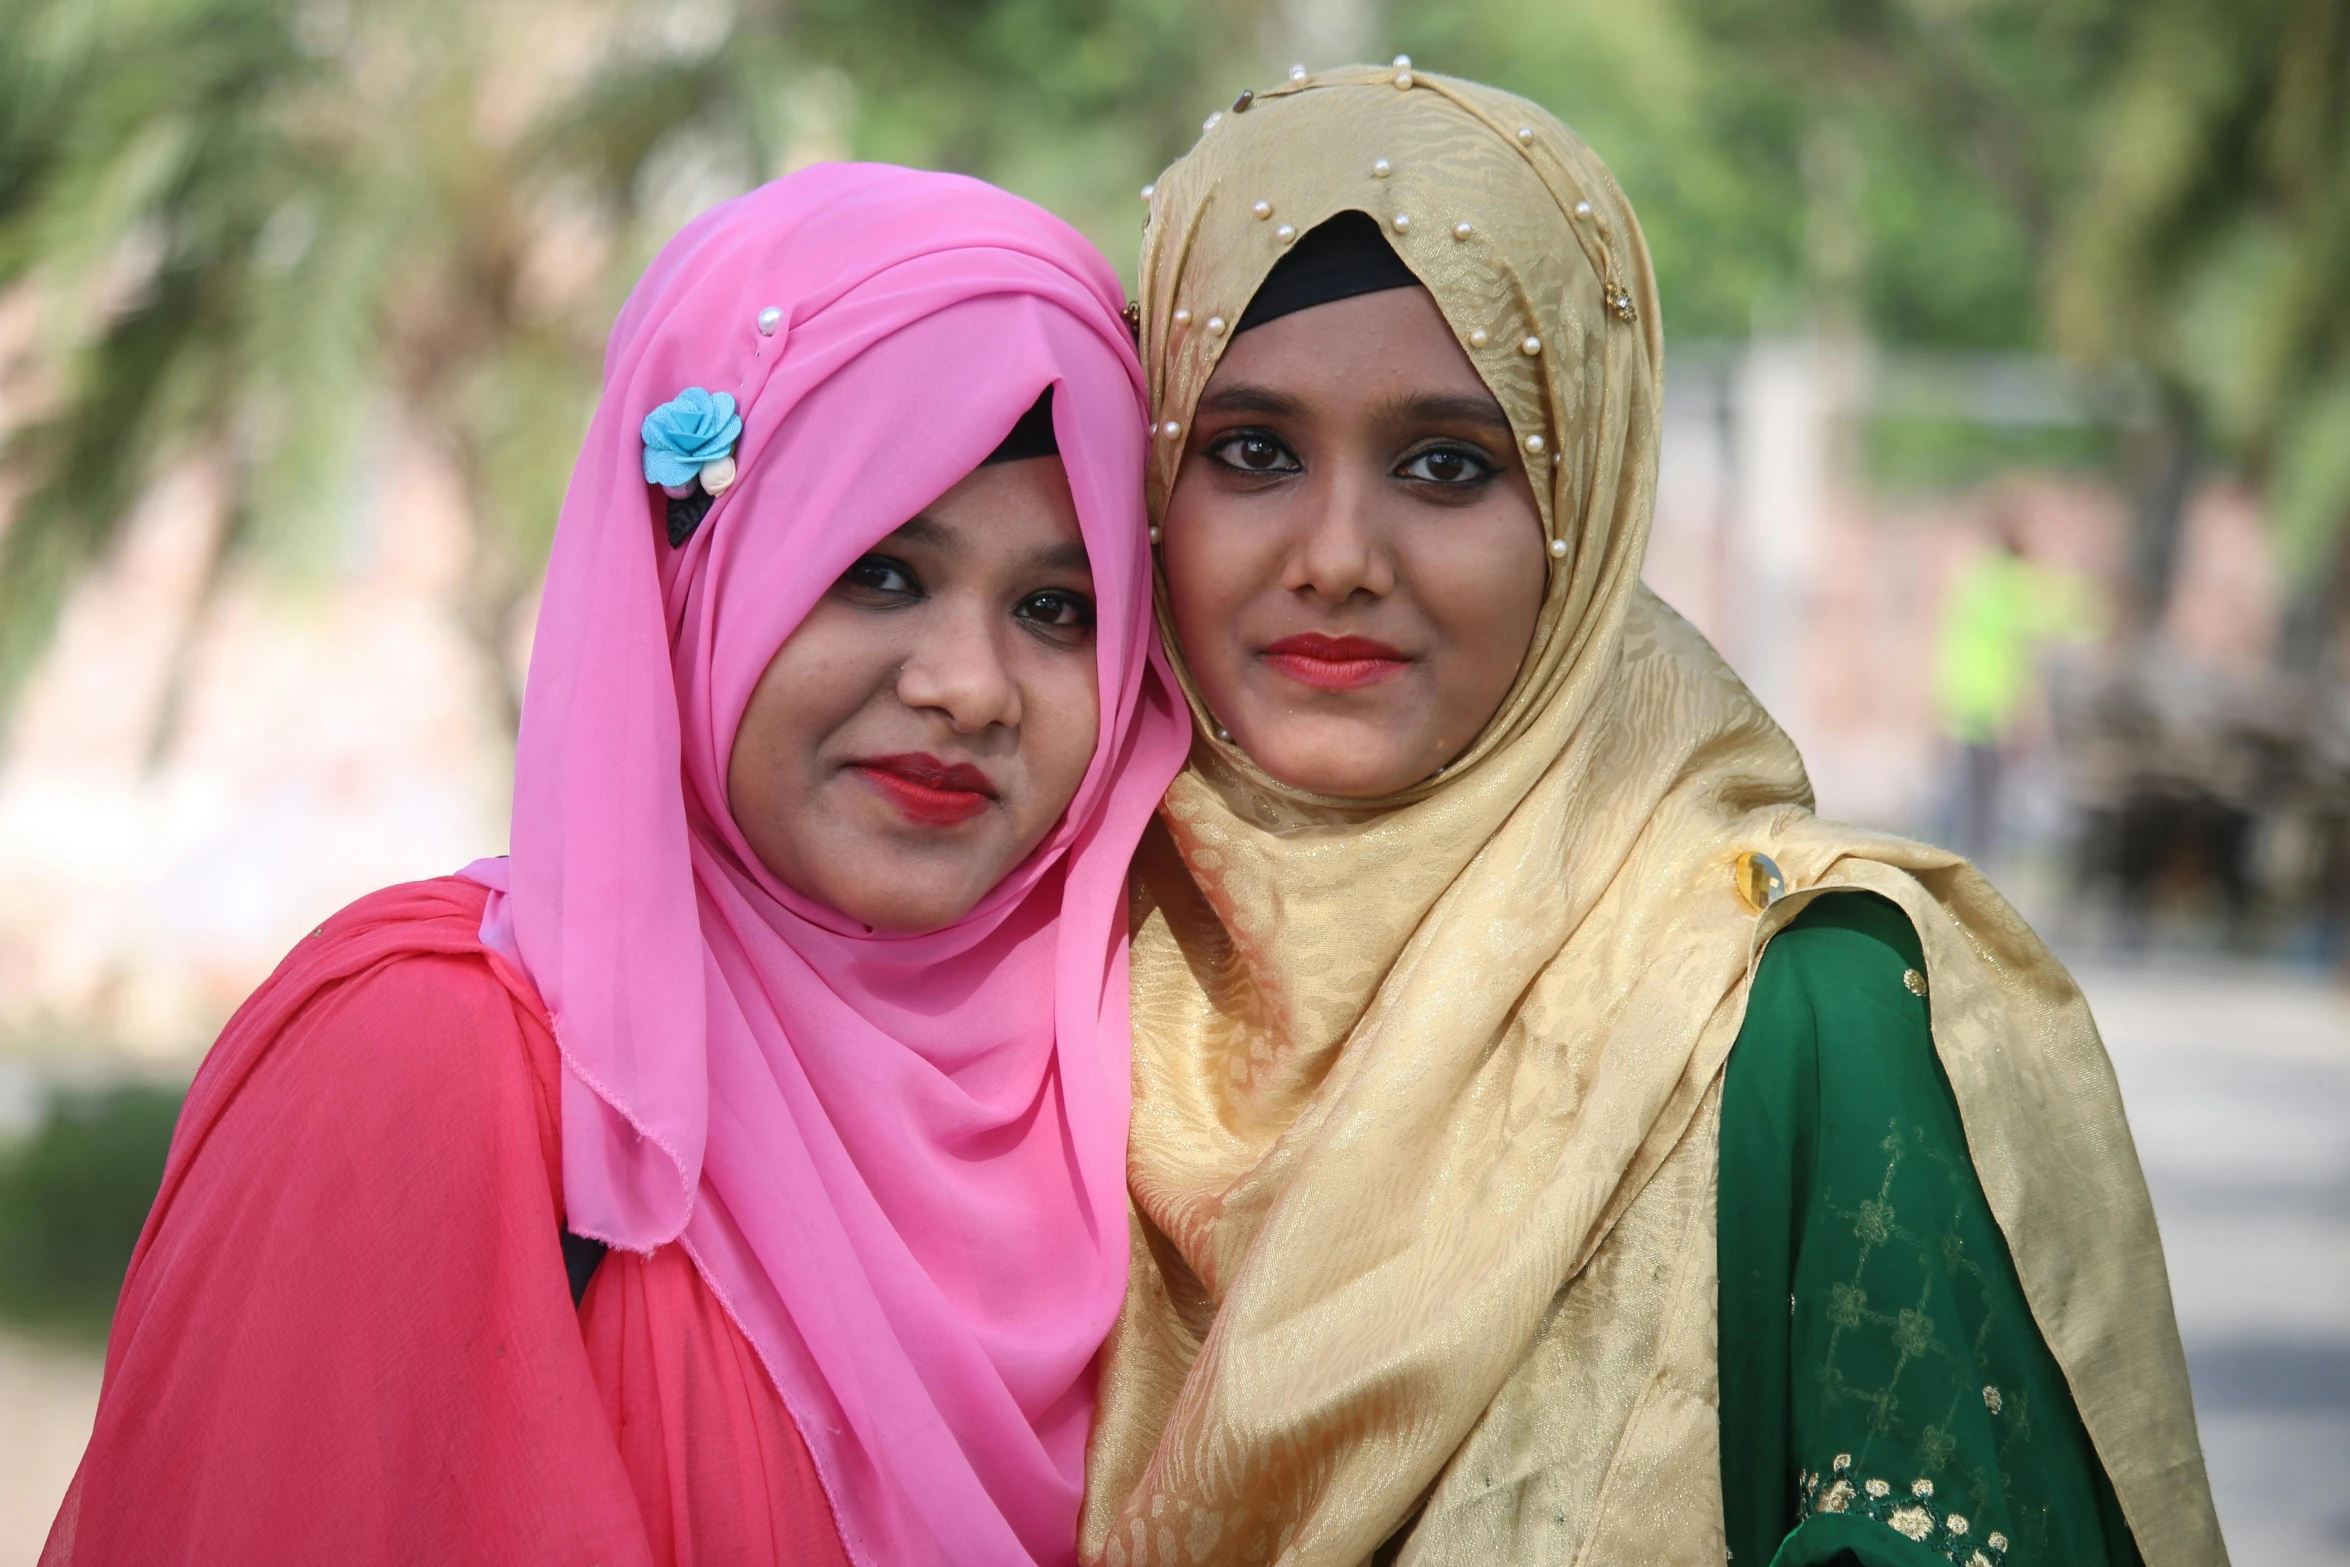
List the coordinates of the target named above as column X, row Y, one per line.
column 1342, row 550
column 957, row 670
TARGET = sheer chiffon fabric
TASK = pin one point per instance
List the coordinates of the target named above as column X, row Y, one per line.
column 896, row 1159
column 346, row 1335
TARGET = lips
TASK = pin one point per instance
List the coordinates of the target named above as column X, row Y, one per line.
column 1334, row 663
column 927, row 790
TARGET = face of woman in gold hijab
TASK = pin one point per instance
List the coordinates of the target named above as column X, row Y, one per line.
column 1353, row 554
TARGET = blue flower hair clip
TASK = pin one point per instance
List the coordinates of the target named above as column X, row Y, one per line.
column 689, row 453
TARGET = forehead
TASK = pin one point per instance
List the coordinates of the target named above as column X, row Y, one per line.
column 1001, row 509
column 1370, row 347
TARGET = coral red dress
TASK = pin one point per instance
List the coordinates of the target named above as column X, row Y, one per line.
column 347, row 1334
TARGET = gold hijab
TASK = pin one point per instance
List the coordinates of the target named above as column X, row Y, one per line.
column 1425, row 1088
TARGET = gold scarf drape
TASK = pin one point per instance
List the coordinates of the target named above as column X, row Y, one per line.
column 1425, row 1089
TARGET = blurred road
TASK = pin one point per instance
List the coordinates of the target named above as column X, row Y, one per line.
column 47, row 1397
column 2238, row 1084
column 2238, row 1087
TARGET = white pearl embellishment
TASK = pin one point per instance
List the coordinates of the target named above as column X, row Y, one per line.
column 1148, row 191
column 769, row 319
column 1403, row 79
column 1297, row 73
column 1285, row 233
column 1463, row 230
column 1403, row 223
column 1182, row 318
column 1223, row 734
column 1381, row 169
column 1582, row 209
column 1525, row 135
column 1403, row 62
column 1530, row 347
column 1479, row 338
column 1154, row 533
column 1211, row 122
column 1215, row 326
column 1171, row 429
column 1534, row 444
column 1558, row 549
column 1263, row 209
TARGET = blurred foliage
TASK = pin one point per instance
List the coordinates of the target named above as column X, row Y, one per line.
column 73, row 1196
column 281, row 228
column 1940, row 455
column 2208, row 237
column 1879, row 165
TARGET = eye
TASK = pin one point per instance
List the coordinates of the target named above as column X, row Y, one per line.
column 1254, row 451
column 881, row 577
column 1451, row 465
column 1059, row 612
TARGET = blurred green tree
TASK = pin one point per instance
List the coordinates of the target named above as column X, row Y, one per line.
column 268, row 227
column 74, row 1194
column 262, row 227
column 2208, row 238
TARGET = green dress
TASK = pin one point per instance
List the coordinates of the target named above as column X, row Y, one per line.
column 1887, row 1400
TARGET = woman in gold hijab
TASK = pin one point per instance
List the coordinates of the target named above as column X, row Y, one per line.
column 1552, row 1142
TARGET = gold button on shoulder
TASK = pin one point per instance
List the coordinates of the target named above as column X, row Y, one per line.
column 1913, row 982
column 1757, row 878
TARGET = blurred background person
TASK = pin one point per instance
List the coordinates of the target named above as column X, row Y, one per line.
column 2001, row 610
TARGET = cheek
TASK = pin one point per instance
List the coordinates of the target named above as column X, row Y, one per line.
column 1061, row 723
column 824, row 673
column 1484, row 585
column 1216, row 560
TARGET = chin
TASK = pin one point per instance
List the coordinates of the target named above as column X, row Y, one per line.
column 915, row 909
column 1351, row 757
column 1333, row 770
column 913, row 917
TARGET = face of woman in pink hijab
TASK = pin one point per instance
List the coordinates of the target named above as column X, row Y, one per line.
column 927, row 724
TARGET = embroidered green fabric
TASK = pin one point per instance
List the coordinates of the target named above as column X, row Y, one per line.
column 1887, row 1400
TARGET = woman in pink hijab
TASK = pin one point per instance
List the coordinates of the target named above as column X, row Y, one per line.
column 796, row 1023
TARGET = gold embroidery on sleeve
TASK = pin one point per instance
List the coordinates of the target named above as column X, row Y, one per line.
column 1912, row 1516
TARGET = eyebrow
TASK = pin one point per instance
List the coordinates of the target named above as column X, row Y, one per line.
column 1448, row 408
column 1068, row 555
column 1248, row 397
column 923, row 530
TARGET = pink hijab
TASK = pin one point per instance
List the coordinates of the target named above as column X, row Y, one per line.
column 899, row 1161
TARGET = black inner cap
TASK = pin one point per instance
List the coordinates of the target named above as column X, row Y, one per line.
column 1031, row 437
column 1338, row 259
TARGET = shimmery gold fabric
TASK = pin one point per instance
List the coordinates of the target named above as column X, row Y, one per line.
column 1426, row 1090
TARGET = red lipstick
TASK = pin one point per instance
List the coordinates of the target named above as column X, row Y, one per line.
column 1334, row 663
column 927, row 790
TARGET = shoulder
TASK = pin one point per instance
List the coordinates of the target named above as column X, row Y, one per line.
column 1850, row 959
column 1840, row 995
column 388, row 1030
column 1844, row 939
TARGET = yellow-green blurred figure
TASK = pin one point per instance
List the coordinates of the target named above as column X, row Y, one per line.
column 2003, row 609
